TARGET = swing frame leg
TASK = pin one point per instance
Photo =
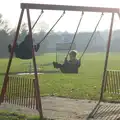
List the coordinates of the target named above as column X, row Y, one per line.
column 37, row 90
column 3, row 91
column 6, row 78
column 91, row 115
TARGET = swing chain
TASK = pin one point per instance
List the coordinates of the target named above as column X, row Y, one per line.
column 91, row 36
column 52, row 28
column 75, row 34
column 42, row 11
column 63, row 13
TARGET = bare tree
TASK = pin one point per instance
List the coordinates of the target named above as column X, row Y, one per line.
column 42, row 26
column 4, row 24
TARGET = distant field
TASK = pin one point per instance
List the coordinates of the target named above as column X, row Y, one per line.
column 85, row 85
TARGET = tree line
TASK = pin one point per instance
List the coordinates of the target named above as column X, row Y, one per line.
column 98, row 43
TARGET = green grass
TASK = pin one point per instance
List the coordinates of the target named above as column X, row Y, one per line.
column 85, row 85
column 5, row 115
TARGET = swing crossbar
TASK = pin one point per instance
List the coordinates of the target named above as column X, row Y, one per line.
column 20, row 91
column 69, row 8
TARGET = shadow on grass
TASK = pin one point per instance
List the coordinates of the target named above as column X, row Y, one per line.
column 46, row 71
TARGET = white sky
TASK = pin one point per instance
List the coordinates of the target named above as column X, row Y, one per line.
column 11, row 11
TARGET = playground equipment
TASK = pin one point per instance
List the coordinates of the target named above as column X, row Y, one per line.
column 11, row 91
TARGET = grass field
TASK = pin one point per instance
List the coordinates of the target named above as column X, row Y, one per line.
column 4, row 115
column 85, row 85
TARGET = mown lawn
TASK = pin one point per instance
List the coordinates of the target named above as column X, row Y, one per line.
column 85, row 85
column 4, row 115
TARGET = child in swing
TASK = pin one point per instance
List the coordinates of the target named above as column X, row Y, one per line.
column 24, row 49
column 69, row 66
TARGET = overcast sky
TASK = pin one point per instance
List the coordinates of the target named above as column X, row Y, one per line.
column 11, row 10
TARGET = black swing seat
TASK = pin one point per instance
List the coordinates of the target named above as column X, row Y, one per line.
column 24, row 49
column 23, row 52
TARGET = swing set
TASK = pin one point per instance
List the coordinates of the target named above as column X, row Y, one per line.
column 26, row 92
column 24, row 49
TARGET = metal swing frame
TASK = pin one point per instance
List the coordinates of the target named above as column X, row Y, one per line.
column 29, row 6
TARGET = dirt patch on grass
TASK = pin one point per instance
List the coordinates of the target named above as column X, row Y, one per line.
column 57, row 108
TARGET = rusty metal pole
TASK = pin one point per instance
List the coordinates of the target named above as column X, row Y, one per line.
column 105, row 69
column 10, row 58
column 35, row 69
column 106, row 59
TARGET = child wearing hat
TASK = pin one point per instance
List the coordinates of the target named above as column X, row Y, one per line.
column 69, row 66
